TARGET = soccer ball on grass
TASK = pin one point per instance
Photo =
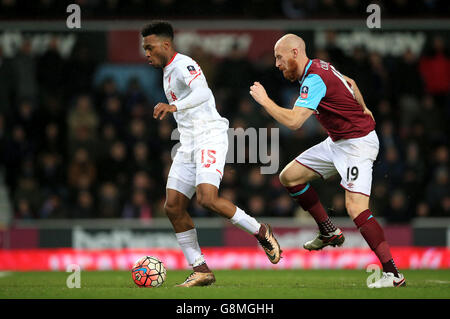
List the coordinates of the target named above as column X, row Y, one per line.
column 148, row 271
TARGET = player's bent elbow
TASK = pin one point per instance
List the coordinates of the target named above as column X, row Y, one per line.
column 293, row 127
column 295, row 124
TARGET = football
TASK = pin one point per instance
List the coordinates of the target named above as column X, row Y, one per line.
column 148, row 271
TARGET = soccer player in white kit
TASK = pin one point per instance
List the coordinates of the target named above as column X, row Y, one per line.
column 199, row 162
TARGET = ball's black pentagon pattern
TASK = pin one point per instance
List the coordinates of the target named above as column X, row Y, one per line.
column 152, row 264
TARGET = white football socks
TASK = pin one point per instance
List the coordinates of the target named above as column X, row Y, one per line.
column 189, row 245
column 245, row 221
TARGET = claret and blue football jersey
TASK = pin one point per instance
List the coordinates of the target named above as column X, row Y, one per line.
column 324, row 90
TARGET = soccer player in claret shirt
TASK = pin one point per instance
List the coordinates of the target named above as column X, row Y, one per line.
column 199, row 162
column 350, row 149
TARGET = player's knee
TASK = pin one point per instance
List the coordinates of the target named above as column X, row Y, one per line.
column 354, row 208
column 283, row 179
column 172, row 209
column 287, row 180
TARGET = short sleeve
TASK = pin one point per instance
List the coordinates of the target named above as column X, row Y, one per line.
column 190, row 71
column 312, row 90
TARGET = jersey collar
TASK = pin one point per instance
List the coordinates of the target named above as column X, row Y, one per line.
column 171, row 59
column 306, row 70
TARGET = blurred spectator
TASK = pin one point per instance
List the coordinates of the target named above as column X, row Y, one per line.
column 441, row 157
column 109, row 203
column 380, row 77
column 414, row 173
column 234, row 76
column 138, row 207
column 80, row 69
column 53, row 141
column 391, row 167
column 329, row 8
column 116, row 168
column 443, row 209
column 28, row 190
column 108, row 136
column 28, row 118
column 23, row 210
column 141, row 160
column 379, row 197
column 83, row 116
column 284, row 206
column 255, row 184
column 138, row 132
column 24, row 68
column 408, row 68
column 85, row 205
column 336, row 55
column 17, row 149
column 53, row 207
column 438, row 189
column 398, row 210
column 338, row 205
column 435, row 70
column 297, row 9
column 81, row 165
column 113, row 114
column 108, row 88
column 50, row 172
column 50, row 69
column 422, row 210
column 135, row 99
column 6, row 87
column 3, row 132
column 433, row 121
column 257, row 205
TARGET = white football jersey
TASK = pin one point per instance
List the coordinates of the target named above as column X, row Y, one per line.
column 197, row 118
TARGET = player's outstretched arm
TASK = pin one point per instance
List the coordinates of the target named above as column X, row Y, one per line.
column 358, row 96
column 291, row 118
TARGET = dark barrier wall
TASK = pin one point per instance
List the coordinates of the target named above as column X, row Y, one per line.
column 229, row 236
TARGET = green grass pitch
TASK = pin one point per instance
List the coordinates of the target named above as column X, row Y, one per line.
column 230, row 284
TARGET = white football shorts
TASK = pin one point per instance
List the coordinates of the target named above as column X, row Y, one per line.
column 351, row 158
column 205, row 164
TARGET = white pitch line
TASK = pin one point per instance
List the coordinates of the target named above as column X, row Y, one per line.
column 5, row 274
column 444, row 282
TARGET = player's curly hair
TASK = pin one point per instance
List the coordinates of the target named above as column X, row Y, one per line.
column 160, row 28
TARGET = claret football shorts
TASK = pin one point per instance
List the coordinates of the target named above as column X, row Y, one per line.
column 204, row 164
column 351, row 158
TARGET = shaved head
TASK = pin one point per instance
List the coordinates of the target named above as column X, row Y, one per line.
column 290, row 56
column 291, row 41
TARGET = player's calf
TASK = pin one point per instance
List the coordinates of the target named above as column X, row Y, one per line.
column 373, row 233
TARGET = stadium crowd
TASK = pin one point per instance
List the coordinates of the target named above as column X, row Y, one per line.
column 70, row 149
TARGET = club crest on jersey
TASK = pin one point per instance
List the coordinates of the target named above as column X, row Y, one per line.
column 304, row 92
column 191, row 69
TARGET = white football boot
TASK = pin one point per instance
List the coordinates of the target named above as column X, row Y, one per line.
column 388, row 280
column 334, row 239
